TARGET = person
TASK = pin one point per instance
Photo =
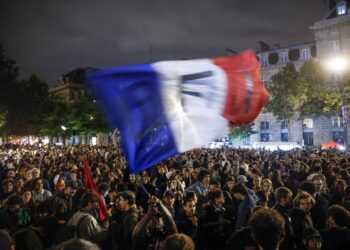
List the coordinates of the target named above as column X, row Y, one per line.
column 63, row 202
column 178, row 242
column 77, row 244
column 155, row 226
column 267, row 228
column 312, row 239
column 8, row 188
column 169, row 201
column 319, row 210
column 300, row 215
column 201, row 187
column 26, row 239
column 144, row 193
column 130, row 218
column 87, row 226
column 187, row 221
column 284, row 198
column 6, row 241
column 14, row 216
column 39, row 194
column 266, row 187
column 248, row 202
column 337, row 236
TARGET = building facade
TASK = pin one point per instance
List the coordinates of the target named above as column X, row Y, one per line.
column 332, row 37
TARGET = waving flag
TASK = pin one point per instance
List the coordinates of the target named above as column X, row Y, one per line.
column 169, row 107
column 90, row 185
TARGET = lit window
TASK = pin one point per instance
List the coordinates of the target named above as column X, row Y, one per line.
column 305, row 54
column 336, row 122
column 283, row 57
column 334, row 46
column 341, row 9
column 308, row 123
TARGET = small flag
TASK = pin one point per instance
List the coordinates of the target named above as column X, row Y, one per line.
column 169, row 107
column 90, row 185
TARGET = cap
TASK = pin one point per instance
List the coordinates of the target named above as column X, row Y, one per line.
column 311, row 233
column 241, row 179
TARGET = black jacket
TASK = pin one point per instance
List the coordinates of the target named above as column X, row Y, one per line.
column 288, row 242
column 300, row 221
column 336, row 239
column 129, row 221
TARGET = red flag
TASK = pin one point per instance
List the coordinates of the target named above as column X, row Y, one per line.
column 247, row 95
column 90, row 185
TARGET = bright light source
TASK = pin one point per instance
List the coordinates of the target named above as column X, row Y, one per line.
column 46, row 140
column 63, row 128
column 337, row 64
column 94, row 140
column 91, row 117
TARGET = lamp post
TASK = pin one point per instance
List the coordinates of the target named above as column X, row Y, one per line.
column 338, row 65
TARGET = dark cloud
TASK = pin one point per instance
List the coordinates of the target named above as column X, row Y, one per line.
column 50, row 37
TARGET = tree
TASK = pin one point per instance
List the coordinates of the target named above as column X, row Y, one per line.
column 323, row 98
column 9, row 73
column 242, row 132
column 287, row 93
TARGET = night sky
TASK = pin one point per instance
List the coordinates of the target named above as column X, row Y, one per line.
column 51, row 37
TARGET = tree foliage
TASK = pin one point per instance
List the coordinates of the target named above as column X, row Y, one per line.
column 27, row 109
column 287, row 93
column 242, row 132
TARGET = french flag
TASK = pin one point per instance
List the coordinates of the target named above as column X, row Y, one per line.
column 170, row 107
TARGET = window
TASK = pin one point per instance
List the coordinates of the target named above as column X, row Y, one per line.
column 334, row 46
column 284, row 57
column 284, row 125
column 264, row 125
column 308, row 138
column 341, row 9
column 336, row 122
column 264, row 137
column 338, row 136
column 284, row 136
column 263, row 61
column 305, row 54
column 308, row 123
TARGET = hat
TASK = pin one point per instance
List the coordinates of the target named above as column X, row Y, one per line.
column 310, row 233
column 241, row 179
column 72, row 184
column 129, row 196
column 169, row 193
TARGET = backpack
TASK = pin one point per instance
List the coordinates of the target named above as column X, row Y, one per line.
column 67, row 232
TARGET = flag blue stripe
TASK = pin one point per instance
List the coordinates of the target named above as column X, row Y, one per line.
column 130, row 97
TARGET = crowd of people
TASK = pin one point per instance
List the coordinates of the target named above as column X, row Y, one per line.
column 202, row 199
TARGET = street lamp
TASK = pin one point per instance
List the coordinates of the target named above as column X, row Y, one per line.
column 338, row 65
